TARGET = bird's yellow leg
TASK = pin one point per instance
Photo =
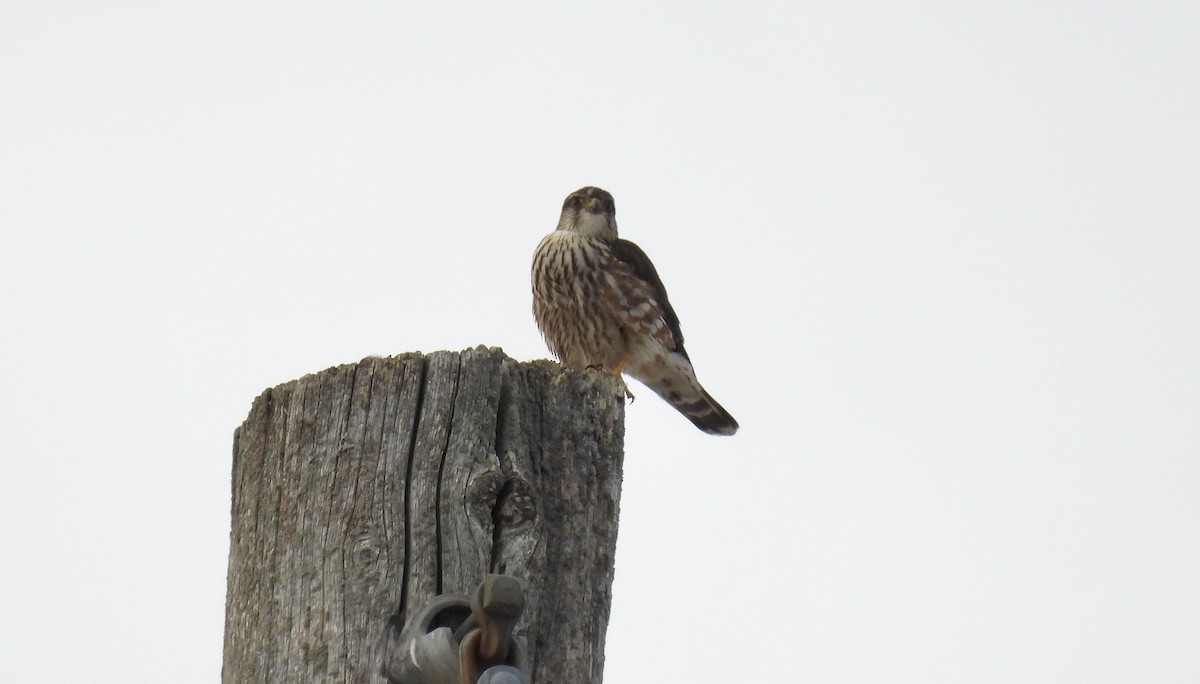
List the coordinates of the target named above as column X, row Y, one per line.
column 616, row 373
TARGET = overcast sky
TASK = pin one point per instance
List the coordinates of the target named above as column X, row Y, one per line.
column 939, row 260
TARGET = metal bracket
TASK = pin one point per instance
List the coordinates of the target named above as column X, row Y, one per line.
column 456, row 640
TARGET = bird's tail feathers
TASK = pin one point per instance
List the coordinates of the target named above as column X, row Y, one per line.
column 676, row 383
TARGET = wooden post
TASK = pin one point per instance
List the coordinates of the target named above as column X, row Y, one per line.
column 363, row 491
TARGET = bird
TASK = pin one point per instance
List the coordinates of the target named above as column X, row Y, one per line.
column 600, row 304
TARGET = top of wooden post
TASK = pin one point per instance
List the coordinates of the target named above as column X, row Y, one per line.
column 363, row 491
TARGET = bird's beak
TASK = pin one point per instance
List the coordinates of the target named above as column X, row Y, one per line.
column 589, row 203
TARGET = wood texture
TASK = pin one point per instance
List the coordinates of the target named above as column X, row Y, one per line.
column 362, row 491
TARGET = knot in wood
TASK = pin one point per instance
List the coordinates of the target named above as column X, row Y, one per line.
column 517, row 508
column 365, row 550
column 503, row 500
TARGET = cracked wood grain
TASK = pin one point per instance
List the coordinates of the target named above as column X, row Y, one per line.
column 362, row 491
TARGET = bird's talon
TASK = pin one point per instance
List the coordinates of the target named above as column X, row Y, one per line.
column 625, row 389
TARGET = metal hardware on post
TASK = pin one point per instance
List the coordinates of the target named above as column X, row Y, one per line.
column 496, row 605
column 503, row 674
column 459, row 640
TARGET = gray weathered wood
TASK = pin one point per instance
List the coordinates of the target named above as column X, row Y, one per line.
column 364, row 490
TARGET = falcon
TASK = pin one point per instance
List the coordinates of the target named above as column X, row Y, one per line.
column 600, row 304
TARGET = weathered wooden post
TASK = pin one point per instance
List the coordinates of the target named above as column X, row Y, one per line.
column 362, row 492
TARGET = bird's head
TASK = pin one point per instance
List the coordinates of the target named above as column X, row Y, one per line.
column 591, row 212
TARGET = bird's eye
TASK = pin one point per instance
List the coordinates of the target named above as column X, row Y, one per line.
column 610, row 207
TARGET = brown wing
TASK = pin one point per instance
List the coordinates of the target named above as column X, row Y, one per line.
column 635, row 258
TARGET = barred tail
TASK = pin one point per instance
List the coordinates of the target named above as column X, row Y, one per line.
column 674, row 380
column 706, row 414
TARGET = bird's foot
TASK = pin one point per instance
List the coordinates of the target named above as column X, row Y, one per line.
column 616, row 374
column 625, row 390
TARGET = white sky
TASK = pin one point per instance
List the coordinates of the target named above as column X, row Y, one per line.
column 939, row 259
